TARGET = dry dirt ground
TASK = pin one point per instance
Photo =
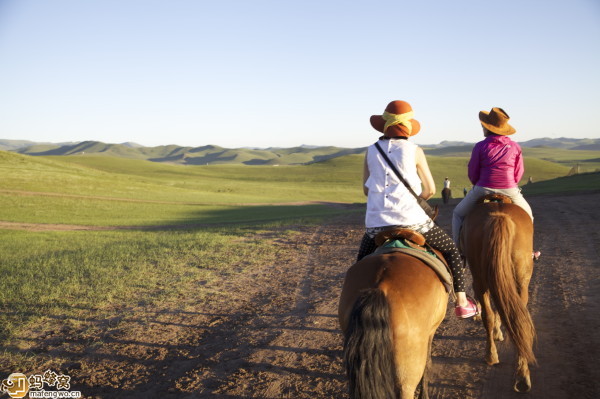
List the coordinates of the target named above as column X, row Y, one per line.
column 273, row 333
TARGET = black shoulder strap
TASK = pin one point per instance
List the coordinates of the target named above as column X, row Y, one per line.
column 396, row 171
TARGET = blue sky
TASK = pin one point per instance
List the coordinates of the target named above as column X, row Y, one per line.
column 283, row 73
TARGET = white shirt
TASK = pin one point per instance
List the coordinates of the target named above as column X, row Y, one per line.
column 389, row 203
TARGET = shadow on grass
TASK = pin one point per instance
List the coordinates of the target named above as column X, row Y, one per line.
column 221, row 217
column 256, row 215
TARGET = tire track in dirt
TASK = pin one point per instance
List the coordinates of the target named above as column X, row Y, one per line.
column 272, row 334
column 303, row 359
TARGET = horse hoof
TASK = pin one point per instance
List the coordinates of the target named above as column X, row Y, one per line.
column 491, row 360
column 523, row 385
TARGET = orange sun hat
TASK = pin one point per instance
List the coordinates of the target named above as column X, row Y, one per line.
column 396, row 121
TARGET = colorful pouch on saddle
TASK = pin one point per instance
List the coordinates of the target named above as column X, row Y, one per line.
column 495, row 197
column 405, row 243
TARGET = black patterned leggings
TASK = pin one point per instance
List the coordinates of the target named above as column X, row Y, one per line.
column 438, row 239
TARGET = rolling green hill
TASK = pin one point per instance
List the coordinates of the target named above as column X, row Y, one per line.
column 565, row 150
column 205, row 155
column 336, row 179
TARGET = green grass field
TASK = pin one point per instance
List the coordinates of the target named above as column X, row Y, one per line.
column 76, row 275
column 584, row 182
column 55, row 277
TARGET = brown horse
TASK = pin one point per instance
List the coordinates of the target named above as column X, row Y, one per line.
column 497, row 240
column 390, row 307
column 446, row 195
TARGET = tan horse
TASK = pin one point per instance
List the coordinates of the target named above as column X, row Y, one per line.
column 497, row 240
column 390, row 307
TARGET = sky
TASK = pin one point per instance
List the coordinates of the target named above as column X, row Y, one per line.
column 278, row 73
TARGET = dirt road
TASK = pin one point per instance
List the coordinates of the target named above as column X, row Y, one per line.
column 273, row 331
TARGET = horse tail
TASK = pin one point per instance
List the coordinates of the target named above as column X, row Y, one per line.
column 368, row 348
column 499, row 235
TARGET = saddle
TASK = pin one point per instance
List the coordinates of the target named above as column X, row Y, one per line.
column 494, row 197
column 413, row 243
column 412, row 236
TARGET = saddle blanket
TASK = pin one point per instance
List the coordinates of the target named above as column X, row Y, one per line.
column 428, row 257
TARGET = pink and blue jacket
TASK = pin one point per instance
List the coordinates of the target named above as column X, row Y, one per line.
column 496, row 162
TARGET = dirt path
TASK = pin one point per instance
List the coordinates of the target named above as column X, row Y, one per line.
column 273, row 333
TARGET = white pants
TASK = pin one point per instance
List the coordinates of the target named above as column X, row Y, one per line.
column 462, row 209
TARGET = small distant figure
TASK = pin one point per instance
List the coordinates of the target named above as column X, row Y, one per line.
column 465, row 192
column 530, row 180
column 446, row 192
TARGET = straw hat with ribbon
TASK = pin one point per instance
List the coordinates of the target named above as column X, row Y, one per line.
column 496, row 121
column 396, row 121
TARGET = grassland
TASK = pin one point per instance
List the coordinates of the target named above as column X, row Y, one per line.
column 49, row 277
column 226, row 216
column 583, row 182
column 116, row 191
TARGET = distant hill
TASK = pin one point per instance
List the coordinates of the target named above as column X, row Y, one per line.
column 208, row 154
column 564, row 142
column 212, row 154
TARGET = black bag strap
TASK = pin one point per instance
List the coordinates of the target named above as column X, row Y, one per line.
column 396, row 171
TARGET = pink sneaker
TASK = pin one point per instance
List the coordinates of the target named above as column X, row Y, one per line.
column 464, row 312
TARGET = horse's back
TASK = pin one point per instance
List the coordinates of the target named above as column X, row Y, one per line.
column 409, row 284
column 476, row 221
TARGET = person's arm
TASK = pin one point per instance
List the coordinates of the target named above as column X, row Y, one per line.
column 519, row 168
column 366, row 175
column 425, row 175
column 473, row 169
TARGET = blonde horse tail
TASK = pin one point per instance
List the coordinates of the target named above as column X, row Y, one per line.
column 499, row 235
column 368, row 348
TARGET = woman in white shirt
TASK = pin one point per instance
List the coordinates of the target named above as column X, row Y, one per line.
column 390, row 203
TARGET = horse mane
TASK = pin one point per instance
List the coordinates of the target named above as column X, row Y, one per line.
column 499, row 234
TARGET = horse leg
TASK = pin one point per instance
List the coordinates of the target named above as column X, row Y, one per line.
column 498, row 336
column 478, row 293
column 411, row 368
column 497, row 332
column 489, row 317
column 424, row 394
column 523, row 379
